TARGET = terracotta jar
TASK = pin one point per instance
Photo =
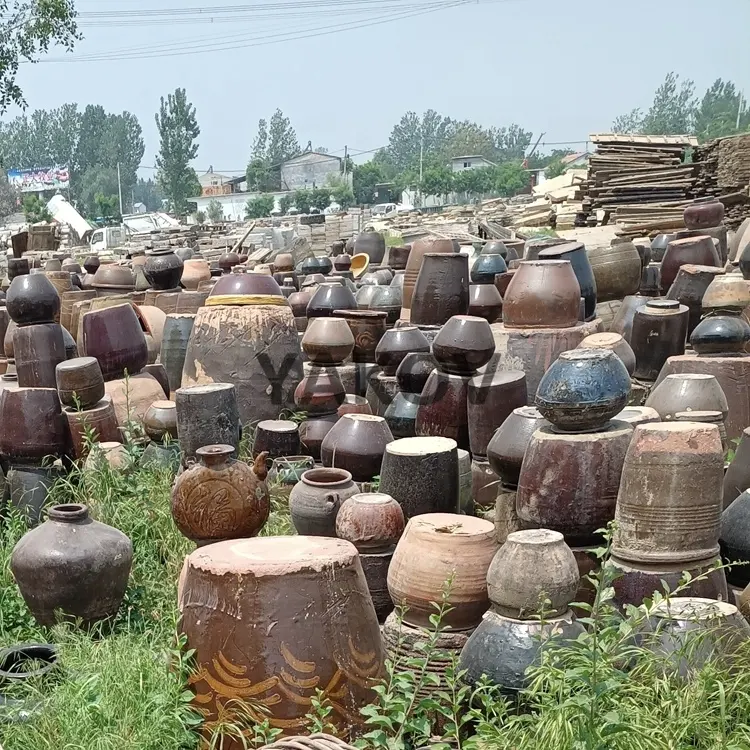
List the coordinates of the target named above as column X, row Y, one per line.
column 325, row 634
column 464, row 344
column 696, row 250
column 435, row 548
column 396, row 343
column 531, row 567
column 623, row 322
column 163, row 269
column 220, row 498
column 704, row 214
column 356, row 443
column 441, row 290
column 321, row 392
column 726, row 293
column 398, row 256
column 31, row 298
column 720, row 334
column 371, row 243
column 99, row 420
column 38, row 349
column 569, row 483
column 617, row 270
column 687, row 392
column 542, row 294
column 659, row 332
column 367, row 327
column 419, row 249
column 612, row 342
column 670, row 499
column 507, row 447
column 194, row 271
column 315, row 501
column 583, row 389
column 354, row 405
column 74, row 565
column 79, row 382
column 575, row 253
column 328, row 341
column 486, row 267
column 115, row 337
column 492, row 398
column 371, row 521
column 737, row 476
column 32, row 425
column 485, row 302
column 443, row 407
column 174, row 344
column 283, row 262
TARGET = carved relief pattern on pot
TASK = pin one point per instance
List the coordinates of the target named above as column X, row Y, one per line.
column 207, row 509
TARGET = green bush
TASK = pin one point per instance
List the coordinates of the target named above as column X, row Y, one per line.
column 259, row 207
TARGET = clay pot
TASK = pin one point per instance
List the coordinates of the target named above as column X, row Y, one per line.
column 623, row 321
column 612, row 342
column 233, row 288
column 659, row 246
column 220, row 498
column 283, row 262
column 659, row 332
column 718, row 234
column 396, row 343
column 441, row 289
column 401, row 415
column 193, row 272
column 617, row 270
column 115, row 337
column 367, row 327
column 464, row 344
column 386, row 299
column 163, row 269
column 531, row 567
column 313, row 431
column 113, row 279
column 321, row 392
column 299, row 301
column 356, row 443
column 160, row 420
column 507, row 447
column 696, row 250
column 38, row 349
column 27, row 488
column 315, row 501
column 174, row 344
column 206, row 414
column 569, row 483
column 31, row 424
column 31, row 298
column 670, row 498
column 276, row 438
column 79, row 382
column 533, row 247
column 737, row 476
column 635, row 415
column 398, row 257
column 18, row 267
column 372, row 522
column 687, row 392
column 100, row 420
column 542, row 294
column 419, row 249
column 485, row 302
column 354, row 405
column 133, row 395
column 74, row 565
column 330, row 297
column 414, row 370
column 287, row 471
column 228, row 261
column 492, row 399
column 726, row 293
column 583, row 389
column 434, row 548
column 180, row 302
column 720, row 334
column 575, row 253
column 371, row 243
column 328, row 341
column 703, row 214
column 443, row 408
column 313, row 264
column 486, row 267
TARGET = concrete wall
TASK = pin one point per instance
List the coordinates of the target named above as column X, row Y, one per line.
column 308, row 170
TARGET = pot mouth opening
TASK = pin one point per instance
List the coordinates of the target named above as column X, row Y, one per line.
column 325, row 477
column 68, row 513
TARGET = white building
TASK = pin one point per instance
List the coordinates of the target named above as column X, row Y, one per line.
column 462, row 163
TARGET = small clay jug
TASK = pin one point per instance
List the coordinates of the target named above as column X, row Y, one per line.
column 371, row 521
column 221, row 498
column 420, row 248
column 315, row 501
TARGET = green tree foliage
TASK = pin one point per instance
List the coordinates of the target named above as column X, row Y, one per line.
column 9, row 198
column 364, row 179
column 97, row 181
column 720, row 109
column 275, row 143
column 474, row 182
column 107, row 206
column 27, row 30
column 259, row 207
column 285, row 203
column 320, row 198
column 35, row 209
column 554, row 169
column 215, row 212
column 302, row 200
column 200, row 217
column 149, row 193
column 673, row 109
column 178, row 135
column 343, row 195
column 437, row 181
column 510, row 179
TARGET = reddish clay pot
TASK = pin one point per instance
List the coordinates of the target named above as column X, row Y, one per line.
column 320, row 392
column 356, row 443
column 441, row 290
column 575, row 254
column 115, row 337
column 101, row 419
column 613, row 342
column 492, row 399
column 38, row 349
column 443, row 408
column 367, row 327
column 372, row 522
column 485, row 302
column 704, row 214
column 695, row 250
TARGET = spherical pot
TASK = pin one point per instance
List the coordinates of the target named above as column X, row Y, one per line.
column 617, row 270
column 659, row 332
column 696, row 250
column 396, row 343
column 161, row 420
column 720, row 334
column 687, row 392
column 330, row 297
column 507, row 447
column 220, row 498
column 313, row 264
column 163, row 269
column 31, row 424
column 583, row 389
column 414, row 370
column 115, row 337
column 486, row 267
column 31, row 298
column 485, row 302
column 321, row 392
column 372, row 522
column 371, row 243
column 465, row 343
column 575, row 253
column 312, row 433
column 342, row 262
column 441, row 289
column 315, row 501
column 113, row 278
column 386, row 299
column 38, row 349
column 613, row 342
column 542, row 294
column 356, row 443
column 328, row 341
column 367, row 327
column 299, row 301
column 704, row 214
column 228, row 261
column 73, row 565
column 80, row 382
column 670, row 498
column 727, row 292
column 531, row 567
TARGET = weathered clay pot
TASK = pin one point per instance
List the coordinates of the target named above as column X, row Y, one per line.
column 354, row 405
column 726, row 293
column 735, row 542
column 27, row 489
column 32, row 425
column 174, row 344
column 623, row 321
column 312, row 432
column 492, row 398
column 670, row 498
column 356, row 443
column 99, row 420
column 38, row 349
column 193, row 272
column 371, row 243
column 113, row 279
column 575, row 253
column 328, row 633
column 73, row 565
column 327, row 341
column 398, row 257
column 659, row 332
column 569, row 483
column 443, row 407
column 320, row 393
column 533, row 247
column 464, row 344
column 507, row 447
column 329, row 297
column 20, row 266
column 163, row 269
column 372, row 522
column 531, row 567
column 228, row 260
column 737, row 476
column 486, row 267
column 79, row 382
column 696, row 250
column 687, row 392
column 342, row 262
column 485, row 302
column 396, row 343
column 115, row 337
column 414, row 370
column 220, row 498
column 612, row 342
column 542, row 294
column 703, row 214
column 441, row 290
column 435, row 548
column 419, row 249
column 367, row 327
column 421, row 473
column 315, row 501
column 617, row 270
column 31, row 298
column 160, row 420
column 635, row 415
column 720, row 334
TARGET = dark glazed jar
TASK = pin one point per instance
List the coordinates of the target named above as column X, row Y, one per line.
column 330, row 297
column 371, row 243
column 720, row 334
column 441, row 290
column 367, row 327
column 163, row 269
column 704, row 214
column 575, row 253
column 508, row 445
column 17, row 267
column 699, row 251
column 31, row 298
column 74, row 565
column 464, row 344
column 486, row 267
column 356, row 443
column 38, row 349
column 396, row 344
column 659, row 332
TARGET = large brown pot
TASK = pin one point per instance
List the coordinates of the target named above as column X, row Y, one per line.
column 659, row 332
column 704, row 214
column 32, row 425
column 356, row 443
column 441, row 290
column 507, row 446
column 371, row 243
column 99, row 421
column 617, row 270
column 367, row 327
column 696, row 250
column 419, row 249
column 38, row 349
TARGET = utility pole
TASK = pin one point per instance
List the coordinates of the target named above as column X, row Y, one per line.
column 739, row 113
column 346, row 157
column 421, row 163
column 119, row 186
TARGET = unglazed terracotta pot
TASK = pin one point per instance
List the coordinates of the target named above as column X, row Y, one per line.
column 617, row 270
column 464, row 344
column 670, row 498
column 575, row 253
column 315, row 501
column 436, row 548
column 696, row 250
column 396, row 343
column 507, row 447
column 372, row 521
column 542, row 294
column 194, row 271
column 687, row 392
column 357, row 443
column 220, row 498
column 441, row 290
column 613, row 342
column 327, row 341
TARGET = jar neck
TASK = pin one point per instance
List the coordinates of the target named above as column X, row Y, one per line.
column 73, row 513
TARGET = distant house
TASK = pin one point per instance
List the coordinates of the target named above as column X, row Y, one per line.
column 212, row 183
column 462, row 163
column 579, row 160
column 309, row 169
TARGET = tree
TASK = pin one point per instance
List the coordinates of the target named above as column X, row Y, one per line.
column 719, row 112
column 632, row 122
column 107, row 206
column 285, row 203
column 215, row 212
column 35, row 209
column 554, row 169
column 260, row 206
column 474, row 182
column 8, row 198
column 275, row 143
column 413, row 138
column 200, row 217
column 364, row 179
column 97, row 181
column 27, row 29
column 343, row 195
column 178, row 135
column 148, row 193
column 511, row 143
column 320, row 198
column 302, row 200
column 510, row 178
column 437, row 181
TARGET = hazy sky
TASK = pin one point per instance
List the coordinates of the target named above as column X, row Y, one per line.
column 563, row 68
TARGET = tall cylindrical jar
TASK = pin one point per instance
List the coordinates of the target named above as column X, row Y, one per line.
column 659, row 332
column 441, row 290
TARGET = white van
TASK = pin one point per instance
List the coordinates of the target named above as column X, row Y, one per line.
column 107, row 238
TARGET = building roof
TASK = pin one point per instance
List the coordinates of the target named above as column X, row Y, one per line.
column 472, row 156
column 573, row 157
column 316, row 153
